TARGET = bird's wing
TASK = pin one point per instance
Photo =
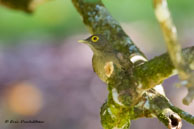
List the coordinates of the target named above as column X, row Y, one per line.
column 94, row 63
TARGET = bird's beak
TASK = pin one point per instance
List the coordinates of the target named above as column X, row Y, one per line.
column 82, row 41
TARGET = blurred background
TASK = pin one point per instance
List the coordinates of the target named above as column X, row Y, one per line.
column 46, row 75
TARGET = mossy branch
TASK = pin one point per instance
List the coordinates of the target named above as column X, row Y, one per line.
column 186, row 116
column 161, row 68
column 154, row 104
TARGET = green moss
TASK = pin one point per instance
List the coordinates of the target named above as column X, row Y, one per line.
column 114, row 116
column 154, row 71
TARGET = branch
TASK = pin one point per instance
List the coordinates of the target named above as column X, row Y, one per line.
column 174, row 48
column 160, row 68
column 186, row 116
column 124, row 98
column 160, row 107
column 154, row 104
column 114, row 116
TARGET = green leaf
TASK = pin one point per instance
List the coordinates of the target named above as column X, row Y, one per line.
column 24, row 5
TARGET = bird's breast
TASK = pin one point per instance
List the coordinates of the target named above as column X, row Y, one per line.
column 99, row 63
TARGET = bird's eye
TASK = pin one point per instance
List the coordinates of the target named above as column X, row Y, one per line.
column 95, row 38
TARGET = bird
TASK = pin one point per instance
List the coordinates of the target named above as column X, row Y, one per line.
column 103, row 53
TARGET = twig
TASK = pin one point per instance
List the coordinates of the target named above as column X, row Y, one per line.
column 174, row 48
column 154, row 104
column 186, row 116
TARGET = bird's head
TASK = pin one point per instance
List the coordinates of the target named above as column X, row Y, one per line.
column 96, row 42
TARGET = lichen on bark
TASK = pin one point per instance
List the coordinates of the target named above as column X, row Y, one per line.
column 160, row 68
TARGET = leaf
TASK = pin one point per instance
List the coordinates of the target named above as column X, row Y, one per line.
column 24, row 5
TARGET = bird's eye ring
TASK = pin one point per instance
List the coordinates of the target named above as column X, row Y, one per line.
column 95, row 38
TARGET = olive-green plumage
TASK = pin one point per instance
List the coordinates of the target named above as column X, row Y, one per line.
column 103, row 52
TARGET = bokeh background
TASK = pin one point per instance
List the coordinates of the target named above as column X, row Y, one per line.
column 46, row 75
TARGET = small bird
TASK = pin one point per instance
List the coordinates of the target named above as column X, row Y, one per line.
column 105, row 59
column 103, row 53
